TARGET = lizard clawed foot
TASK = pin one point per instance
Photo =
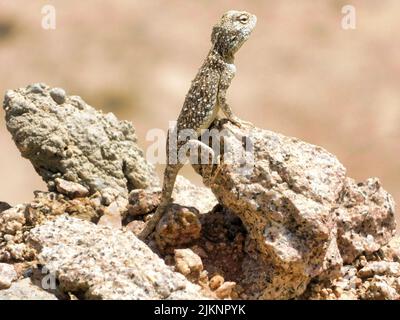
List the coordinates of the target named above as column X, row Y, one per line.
column 241, row 123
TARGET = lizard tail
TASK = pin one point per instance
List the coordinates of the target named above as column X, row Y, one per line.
column 170, row 173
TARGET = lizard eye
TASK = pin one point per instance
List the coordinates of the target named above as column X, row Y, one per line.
column 244, row 18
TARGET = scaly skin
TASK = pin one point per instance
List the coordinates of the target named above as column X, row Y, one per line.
column 206, row 96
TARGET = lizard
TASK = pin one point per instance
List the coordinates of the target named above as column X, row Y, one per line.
column 206, row 97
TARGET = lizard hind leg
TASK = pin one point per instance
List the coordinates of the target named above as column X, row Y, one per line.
column 170, row 173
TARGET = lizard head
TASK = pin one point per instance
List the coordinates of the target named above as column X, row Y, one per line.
column 232, row 31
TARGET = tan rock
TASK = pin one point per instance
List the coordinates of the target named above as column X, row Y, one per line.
column 136, row 226
column 70, row 189
column 380, row 268
column 187, row 262
column 112, row 215
column 179, row 226
column 391, row 251
column 25, row 290
column 7, row 275
column 216, row 281
column 143, row 201
column 225, row 290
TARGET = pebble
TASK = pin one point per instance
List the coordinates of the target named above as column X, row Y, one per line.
column 71, row 189
column 216, row 281
column 7, row 275
column 186, row 262
column 225, row 290
column 36, row 88
column 136, row 226
column 58, row 95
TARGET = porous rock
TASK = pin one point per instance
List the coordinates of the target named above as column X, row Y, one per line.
column 25, row 290
column 107, row 263
column 292, row 198
column 16, row 222
column 179, row 226
column 7, row 275
column 64, row 137
column 185, row 194
column 71, row 189
column 187, row 262
column 365, row 218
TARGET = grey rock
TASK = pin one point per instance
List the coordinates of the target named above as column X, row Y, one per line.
column 25, row 290
column 75, row 142
column 4, row 206
column 58, row 95
column 106, row 263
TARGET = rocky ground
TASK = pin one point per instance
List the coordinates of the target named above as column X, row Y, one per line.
column 286, row 223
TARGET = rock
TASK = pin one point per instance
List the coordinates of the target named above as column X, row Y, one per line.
column 187, row 194
column 109, row 195
column 58, row 95
column 12, row 220
column 25, row 290
column 4, row 206
column 380, row 268
column 112, row 215
column 111, row 220
column 143, row 201
column 107, row 264
column 366, row 278
column 70, row 189
column 382, row 288
column 48, row 205
column 284, row 196
column 365, row 219
column 391, row 251
column 136, row 226
column 7, row 275
column 225, row 290
column 15, row 221
column 75, row 142
column 292, row 197
column 187, row 262
column 179, row 226
column 216, row 281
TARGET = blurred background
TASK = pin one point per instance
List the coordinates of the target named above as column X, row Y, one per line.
column 299, row 74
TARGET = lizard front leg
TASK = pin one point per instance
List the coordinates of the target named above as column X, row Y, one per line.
column 227, row 109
